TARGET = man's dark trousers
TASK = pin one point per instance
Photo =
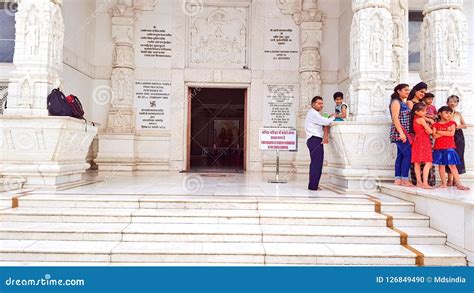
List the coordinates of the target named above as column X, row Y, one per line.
column 316, row 151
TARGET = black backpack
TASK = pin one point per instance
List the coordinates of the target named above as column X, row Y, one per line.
column 57, row 104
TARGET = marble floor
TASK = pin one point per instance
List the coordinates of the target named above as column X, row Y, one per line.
column 216, row 184
column 207, row 184
column 230, row 184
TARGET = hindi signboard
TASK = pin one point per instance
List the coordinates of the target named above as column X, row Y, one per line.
column 153, row 104
column 272, row 139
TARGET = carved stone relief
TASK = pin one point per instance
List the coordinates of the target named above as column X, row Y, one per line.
column 218, row 37
column 122, row 86
column 123, row 56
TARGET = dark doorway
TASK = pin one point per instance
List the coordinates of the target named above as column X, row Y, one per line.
column 217, row 129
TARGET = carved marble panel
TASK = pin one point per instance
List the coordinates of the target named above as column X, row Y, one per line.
column 218, row 37
column 122, row 86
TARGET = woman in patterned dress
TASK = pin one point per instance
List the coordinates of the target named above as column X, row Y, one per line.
column 399, row 130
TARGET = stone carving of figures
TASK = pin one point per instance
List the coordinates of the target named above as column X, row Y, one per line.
column 201, row 51
column 119, row 119
column 32, row 35
column 235, row 51
column 56, row 42
column 309, row 88
column 120, row 82
column 26, row 98
column 218, row 38
column 452, row 43
column 377, row 48
column 396, row 73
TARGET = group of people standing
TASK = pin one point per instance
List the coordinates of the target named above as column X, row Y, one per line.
column 426, row 137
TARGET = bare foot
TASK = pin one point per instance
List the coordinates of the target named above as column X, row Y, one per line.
column 426, row 186
column 462, row 187
column 442, row 186
column 449, row 184
column 419, row 185
column 397, row 182
column 407, row 184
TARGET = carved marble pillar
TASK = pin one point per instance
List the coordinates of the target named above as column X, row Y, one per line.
column 371, row 60
column 360, row 153
column 38, row 56
column 400, row 40
column 310, row 62
column 444, row 61
column 39, row 150
column 310, row 22
column 444, row 53
column 118, row 144
column 122, row 114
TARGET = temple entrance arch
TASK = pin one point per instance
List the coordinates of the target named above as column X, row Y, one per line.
column 217, row 129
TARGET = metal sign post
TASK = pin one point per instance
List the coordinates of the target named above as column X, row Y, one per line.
column 278, row 139
column 277, row 175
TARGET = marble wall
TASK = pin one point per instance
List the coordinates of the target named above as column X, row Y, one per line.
column 201, row 38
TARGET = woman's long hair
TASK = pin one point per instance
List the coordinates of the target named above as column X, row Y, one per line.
column 417, row 107
column 395, row 95
column 419, row 86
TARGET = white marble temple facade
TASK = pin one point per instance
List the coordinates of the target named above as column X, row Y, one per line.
column 358, row 47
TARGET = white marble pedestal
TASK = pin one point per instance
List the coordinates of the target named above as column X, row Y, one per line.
column 117, row 152
column 359, row 155
column 46, row 152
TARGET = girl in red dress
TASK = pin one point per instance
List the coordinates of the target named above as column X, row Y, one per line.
column 445, row 149
column 421, row 147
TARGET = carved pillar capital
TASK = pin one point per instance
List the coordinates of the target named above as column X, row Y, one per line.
column 433, row 5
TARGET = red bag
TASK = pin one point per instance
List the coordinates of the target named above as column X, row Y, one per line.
column 76, row 106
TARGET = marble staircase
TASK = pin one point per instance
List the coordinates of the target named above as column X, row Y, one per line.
column 330, row 229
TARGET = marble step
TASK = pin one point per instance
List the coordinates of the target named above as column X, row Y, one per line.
column 402, row 219
column 424, row 236
column 5, row 200
column 199, row 202
column 158, row 253
column 203, row 216
column 213, row 233
column 66, row 215
column 194, row 216
column 441, row 255
column 393, row 204
column 209, row 253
